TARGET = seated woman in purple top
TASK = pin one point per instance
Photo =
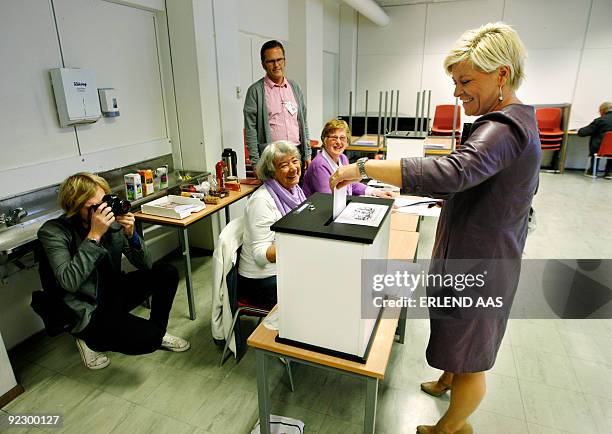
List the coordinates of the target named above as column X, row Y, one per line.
column 336, row 136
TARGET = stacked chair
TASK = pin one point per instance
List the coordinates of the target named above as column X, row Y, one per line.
column 443, row 122
column 549, row 124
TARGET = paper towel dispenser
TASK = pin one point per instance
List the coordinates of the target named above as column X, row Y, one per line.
column 76, row 95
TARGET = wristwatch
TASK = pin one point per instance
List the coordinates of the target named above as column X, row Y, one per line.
column 361, row 165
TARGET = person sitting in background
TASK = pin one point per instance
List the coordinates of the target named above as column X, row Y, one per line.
column 335, row 137
column 83, row 248
column 597, row 129
column 279, row 168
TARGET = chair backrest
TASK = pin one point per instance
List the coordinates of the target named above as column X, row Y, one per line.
column 231, row 234
column 605, row 149
column 549, row 118
column 443, row 117
column 405, row 148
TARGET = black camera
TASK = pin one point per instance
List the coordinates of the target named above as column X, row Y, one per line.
column 117, row 205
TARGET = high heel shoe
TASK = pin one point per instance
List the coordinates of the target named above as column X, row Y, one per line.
column 431, row 429
column 432, row 388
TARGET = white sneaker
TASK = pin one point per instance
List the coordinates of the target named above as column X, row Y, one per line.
column 174, row 343
column 91, row 358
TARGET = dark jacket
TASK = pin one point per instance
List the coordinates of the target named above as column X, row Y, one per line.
column 596, row 130
column 76, row 262
column 257, row 125
column 488, row 185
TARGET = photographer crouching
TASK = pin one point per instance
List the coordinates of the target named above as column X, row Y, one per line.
column 83, row 250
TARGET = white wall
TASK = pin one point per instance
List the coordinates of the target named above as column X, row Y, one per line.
column 266, row 18
column 331, row 60
column 119, row 43
column 569, row 45
column 307, row 29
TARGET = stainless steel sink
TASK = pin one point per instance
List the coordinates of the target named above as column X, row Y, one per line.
column 12, row 237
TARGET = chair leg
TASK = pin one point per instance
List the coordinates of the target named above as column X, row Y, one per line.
column 595, row 161
column 229, row 336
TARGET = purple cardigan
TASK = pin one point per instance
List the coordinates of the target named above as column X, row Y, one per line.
column 317, row 177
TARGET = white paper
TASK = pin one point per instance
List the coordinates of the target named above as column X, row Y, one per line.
column 407, row 202
column 418, row 206
column 384, row 187
column 282, row 425
column 422, row 210
column 339, row 201
column 364, row 214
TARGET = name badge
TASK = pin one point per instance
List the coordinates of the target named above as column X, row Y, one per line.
column 291, row 108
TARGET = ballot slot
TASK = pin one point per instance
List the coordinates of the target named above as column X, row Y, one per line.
column 332, row 218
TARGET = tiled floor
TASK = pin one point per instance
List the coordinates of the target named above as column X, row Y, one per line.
column 551, row 376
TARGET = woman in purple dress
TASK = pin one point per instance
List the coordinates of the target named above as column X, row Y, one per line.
column 488, row 185
column 335, row 137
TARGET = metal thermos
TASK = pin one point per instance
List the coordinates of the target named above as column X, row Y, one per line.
column 231, row 160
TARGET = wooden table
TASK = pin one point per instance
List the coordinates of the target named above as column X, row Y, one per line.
column 402, row 245
column 183, row 224
column 265, row 345
column 405, row 222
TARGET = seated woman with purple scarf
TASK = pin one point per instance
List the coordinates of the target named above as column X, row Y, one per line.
column 335, row 137
column 279, row 168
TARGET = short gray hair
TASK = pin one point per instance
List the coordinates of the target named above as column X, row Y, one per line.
column 280, row 148
column 605, row 107
column 489, row 47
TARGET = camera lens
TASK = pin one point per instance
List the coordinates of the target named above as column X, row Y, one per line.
column 118, row 206
column 124, row 206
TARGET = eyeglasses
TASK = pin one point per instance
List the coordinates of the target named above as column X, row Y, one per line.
column 342, row 139
column 274, row 61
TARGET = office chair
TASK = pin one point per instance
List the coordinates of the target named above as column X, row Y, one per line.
column 605, row 152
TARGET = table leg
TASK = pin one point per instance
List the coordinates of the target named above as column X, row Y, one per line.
column 401, row 324
column 370, row 405
column 371, row 398
column 184, row 240
column 263, row 394
column 227, row 214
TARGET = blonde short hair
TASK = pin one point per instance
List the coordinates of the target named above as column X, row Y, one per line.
column 605, row 107
column 335, row 124
column 489, row 47
column 77, row 189
column 265, row 165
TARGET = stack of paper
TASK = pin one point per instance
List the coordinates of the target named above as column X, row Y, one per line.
column 172, row 206
column 425, row 206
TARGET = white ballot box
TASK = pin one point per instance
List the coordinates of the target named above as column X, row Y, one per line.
column 319, row 276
